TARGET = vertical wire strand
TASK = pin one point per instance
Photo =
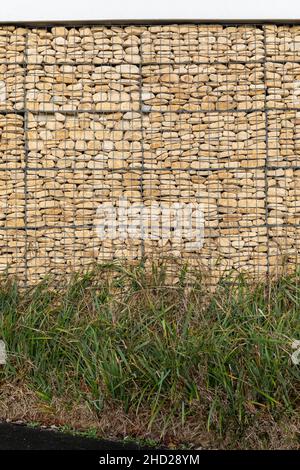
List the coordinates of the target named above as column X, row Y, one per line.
column 26, row 142
column 266, row 168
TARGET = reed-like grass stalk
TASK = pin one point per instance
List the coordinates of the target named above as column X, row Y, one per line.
column 125, row 336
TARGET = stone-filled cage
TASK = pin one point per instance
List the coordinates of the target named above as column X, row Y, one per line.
column 156, row 114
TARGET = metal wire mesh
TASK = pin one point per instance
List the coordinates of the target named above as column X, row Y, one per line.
column 153, row 114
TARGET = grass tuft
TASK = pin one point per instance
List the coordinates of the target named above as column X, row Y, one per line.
column 123, row 336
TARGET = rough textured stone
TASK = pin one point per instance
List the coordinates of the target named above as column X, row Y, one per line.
column 161, row 114
column 12, row 44
column 12, row 147
column 283, row 42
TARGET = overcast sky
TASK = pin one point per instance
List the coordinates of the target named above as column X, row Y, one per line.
column 52, row 10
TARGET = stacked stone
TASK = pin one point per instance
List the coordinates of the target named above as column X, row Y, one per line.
column 283, row 190
column 85, row 141
column 65, row 250
column 12, row 199
column 283, row 138
column 203, row 141
column 283, row 85
column 12, row 44
column 283, row 93
column 203, row 87
column 284, row 218
column 12, row 150
column 11, row 87
column 97, row 45
column 68, row 197
column 201, row 43
column 12, row 212
column 233, row 204
column 13, row 252
column 149, row 116
column 12, row 240
column 12, row 57
column 76, row 165
column 282, row 42
column 102, row 88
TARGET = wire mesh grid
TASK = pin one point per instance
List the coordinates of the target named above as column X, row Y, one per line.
column 147, row 117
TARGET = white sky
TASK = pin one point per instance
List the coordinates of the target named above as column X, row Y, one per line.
column 85, row 10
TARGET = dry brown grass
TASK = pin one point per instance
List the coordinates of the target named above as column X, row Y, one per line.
column 19, row 404
column 133, row 357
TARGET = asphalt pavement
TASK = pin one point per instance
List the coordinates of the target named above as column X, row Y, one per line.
column 21, row 437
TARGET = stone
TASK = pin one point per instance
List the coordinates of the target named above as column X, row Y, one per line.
column 127, row 69
column 60, row 41
column 2, row 91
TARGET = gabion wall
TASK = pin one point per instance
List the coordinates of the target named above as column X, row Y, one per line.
column 154, row 114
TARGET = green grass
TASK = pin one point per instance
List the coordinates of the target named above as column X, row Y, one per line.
column 126, row 338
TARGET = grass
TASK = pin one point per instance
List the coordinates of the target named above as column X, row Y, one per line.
column 165, row 363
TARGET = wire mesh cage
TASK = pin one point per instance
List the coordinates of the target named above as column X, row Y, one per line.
column 115, row 126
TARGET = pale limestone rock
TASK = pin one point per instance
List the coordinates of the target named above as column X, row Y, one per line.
column 155, row 137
